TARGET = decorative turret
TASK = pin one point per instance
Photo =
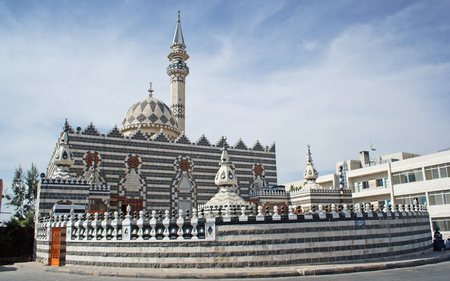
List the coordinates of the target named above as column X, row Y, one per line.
column 177, row 71
column 310, row 172
column 227, row 182
column 63, row 159
column 226, row 176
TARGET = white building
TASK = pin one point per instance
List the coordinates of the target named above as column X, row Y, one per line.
column 398, row 178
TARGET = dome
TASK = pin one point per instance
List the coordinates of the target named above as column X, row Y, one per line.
column 150, row 116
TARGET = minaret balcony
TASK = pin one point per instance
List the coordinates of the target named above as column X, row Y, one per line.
column 178, row 68
column 178, row 54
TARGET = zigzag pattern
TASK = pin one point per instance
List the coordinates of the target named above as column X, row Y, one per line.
column 162, row 137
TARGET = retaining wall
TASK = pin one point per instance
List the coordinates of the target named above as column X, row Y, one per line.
column 268, row 241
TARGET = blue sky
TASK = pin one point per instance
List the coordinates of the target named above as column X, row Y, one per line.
column 338, row 75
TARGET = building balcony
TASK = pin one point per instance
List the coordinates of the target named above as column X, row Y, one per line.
column 380, row 191
column 421, row 186
column 439, row 211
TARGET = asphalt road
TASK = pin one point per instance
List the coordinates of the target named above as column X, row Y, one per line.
column 433, row 272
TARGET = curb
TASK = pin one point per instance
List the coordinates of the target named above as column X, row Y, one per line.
column 264, row 273
column 328, row 269
column 372, row 267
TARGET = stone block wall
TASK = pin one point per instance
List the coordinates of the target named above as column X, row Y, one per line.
column 154, row 180
column 272, row 240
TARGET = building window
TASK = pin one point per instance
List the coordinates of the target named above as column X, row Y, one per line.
column 365, row 184
column 379, row 182
column 442, row 223
column 344, row 174
column 437, row 171
column 420, row 198
column 357, row 186
column 386, row 182
column 96, row 206
column 407, row 176
column 439, row 198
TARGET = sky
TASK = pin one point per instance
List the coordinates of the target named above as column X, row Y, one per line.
column 338, row 75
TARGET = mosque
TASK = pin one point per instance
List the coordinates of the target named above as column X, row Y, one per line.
column 149, row 163
column 127, row 198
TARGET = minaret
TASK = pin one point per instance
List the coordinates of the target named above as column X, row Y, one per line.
column 177, row 71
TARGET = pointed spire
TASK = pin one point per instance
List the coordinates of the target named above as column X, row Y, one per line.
column 150, row 90
column 65, row 138
column 178, row 38
column 63, row 158
column 310, row 172
column 309, row 158
column 225, row 158
column 67, row 127
column 226, row 175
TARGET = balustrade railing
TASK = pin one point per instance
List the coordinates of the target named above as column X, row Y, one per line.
column 272, row 193
column 156, row 227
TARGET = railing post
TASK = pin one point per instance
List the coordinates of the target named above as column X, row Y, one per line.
column 276, row 216
column 334, row 214
column 69, row 229
column 291, row 215
column 243, row 216
column 140, row 225
column 194, row 222
column 260, row 215
column 115, row 225
column 95, row 227
column 126, row 225
column 106, row 229
column 227, row 216
column 346, row 212
column 358, row 211
column 180, row 223
column 166, row 222
column 153, row 226
column 322, row 214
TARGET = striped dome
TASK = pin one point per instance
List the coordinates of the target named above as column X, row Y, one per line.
column 150, row 113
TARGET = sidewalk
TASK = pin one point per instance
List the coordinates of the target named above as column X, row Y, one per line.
column 307, row 270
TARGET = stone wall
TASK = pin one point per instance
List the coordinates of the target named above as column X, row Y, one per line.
column 263, row 240
column 155, row 178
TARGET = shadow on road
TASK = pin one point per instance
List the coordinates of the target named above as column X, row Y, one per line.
column 7, row 268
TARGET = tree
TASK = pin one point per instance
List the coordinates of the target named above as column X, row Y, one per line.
column 31, row 180
column 24, row 188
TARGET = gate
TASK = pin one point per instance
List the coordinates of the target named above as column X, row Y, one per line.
column 55, row 250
